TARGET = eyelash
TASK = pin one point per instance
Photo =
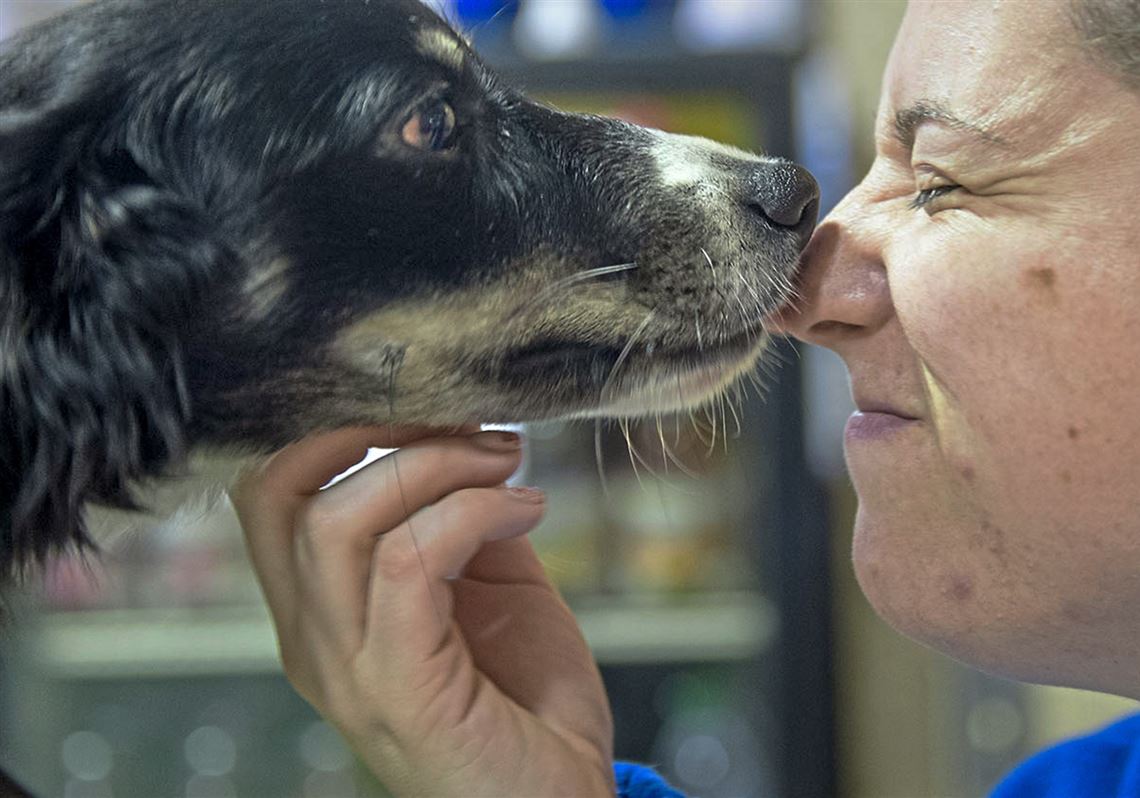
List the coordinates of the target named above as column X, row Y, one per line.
column 928, row 195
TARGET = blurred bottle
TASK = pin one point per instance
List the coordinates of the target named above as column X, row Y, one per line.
column 550, row 30
column 672, row 507
column 569, row 539
column 724, row 25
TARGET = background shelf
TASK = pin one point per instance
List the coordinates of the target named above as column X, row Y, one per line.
column 171, row 643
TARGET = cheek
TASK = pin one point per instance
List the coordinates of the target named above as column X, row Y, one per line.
column 972, row 361
column 1021, row 491
column 1028, row 350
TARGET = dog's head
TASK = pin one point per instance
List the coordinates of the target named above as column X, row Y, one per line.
column 234, row 223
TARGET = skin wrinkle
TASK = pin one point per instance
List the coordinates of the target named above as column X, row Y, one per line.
column 1010, row 327
column 922, row 111
column 1023, row 112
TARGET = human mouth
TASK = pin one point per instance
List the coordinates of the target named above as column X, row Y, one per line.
column 876, row 422
column 870, row 426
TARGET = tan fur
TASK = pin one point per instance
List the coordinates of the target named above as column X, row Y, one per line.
column 437, row 333
column 441, row 46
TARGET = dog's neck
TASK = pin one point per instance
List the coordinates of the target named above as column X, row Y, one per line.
column 179, row 503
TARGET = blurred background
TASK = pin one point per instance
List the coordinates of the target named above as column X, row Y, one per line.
column 714, row 586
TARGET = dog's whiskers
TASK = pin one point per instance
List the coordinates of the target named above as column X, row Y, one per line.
column 605, row 394
column 746, row 318
column 712, row 269
column 696, row 425
column 569, row 282
column 634, row 455
column 710, row 415
column 732, row 402
column 669, row 454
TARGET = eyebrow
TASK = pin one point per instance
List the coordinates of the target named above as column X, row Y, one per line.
column 442, row 46
column 909, row 119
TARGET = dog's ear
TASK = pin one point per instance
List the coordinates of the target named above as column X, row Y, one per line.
column 100, row 266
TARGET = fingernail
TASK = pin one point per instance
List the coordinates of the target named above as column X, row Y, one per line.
column 532, row 495
column 497, row 440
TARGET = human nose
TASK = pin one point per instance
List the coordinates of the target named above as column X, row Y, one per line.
column 842, row 293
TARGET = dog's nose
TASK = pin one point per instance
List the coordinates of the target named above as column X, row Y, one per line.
column 786, row 194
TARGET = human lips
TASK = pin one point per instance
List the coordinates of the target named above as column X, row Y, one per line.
column 875, row 420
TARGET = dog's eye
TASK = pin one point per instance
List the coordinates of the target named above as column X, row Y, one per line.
column 431, row 127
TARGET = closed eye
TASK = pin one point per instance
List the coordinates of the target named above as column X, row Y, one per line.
column 928, row 195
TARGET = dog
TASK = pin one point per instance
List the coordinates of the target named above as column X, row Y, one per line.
column 224, row 226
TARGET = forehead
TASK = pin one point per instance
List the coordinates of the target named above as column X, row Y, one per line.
column 994, row 62
column 338, row 35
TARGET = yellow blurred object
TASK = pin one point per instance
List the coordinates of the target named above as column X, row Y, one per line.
column 1057, row 713
column 720, row 116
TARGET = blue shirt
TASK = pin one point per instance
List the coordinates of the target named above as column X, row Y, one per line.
column 1105, row 764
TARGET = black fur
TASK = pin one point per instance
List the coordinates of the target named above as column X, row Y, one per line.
column 101, row 266
column 157, row 157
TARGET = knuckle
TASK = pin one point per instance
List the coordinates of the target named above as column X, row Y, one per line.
column 317, row 518
column 437, row 459
column 312, row 519
column 324, row 521
column 395, row 560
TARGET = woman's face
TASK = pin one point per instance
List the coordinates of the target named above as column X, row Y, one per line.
column 983, row 286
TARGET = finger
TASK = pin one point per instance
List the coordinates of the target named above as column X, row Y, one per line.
column 300, row 470
column 337, row 531
column 511, row 561
column 267, row 497
column 409, row 600
column 377, row 498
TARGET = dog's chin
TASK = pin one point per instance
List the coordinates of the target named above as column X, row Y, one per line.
column 646, row 384
column 676, row 388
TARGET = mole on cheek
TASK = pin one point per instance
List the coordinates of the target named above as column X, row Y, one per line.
column 960, row 588
column 1074, row 433
column 1041, row 277
column 1043, row 280
column 990, row 538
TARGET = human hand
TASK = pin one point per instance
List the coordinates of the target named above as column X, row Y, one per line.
column 448, row 660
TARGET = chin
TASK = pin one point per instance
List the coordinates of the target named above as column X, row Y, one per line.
column 920, row 595
column 1005, row 621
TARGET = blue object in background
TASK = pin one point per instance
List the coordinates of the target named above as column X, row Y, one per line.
column 472, row 12
column 627, row 9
